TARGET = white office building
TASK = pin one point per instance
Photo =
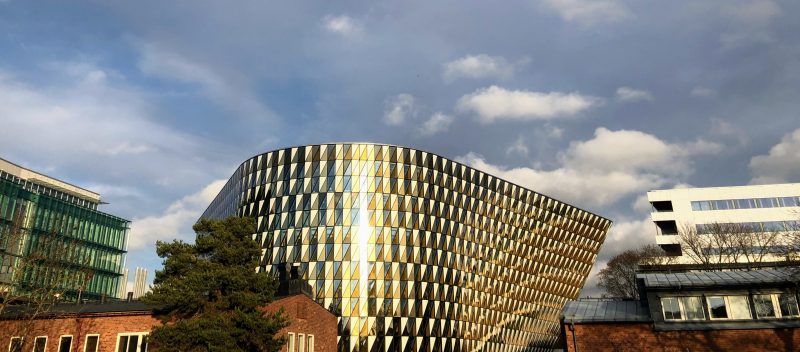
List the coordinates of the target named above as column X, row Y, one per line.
column 759, row 209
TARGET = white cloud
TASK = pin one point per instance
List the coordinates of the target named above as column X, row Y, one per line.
column 175, row 222
column 478, row 66
column 780, row 165
column 399, row 108
column 518, row 147
column 94, row 122
column 589, row 12
column 230, row 90
column 496, row 103
column 628, row 94
column 343, row 25
column 439, row 122
column 703, row 92
column 600, row 171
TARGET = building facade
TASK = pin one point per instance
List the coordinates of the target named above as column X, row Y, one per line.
column 413, row 251
column 756, row 209
column 52, row 236
column 125, row 326
column 738, row 311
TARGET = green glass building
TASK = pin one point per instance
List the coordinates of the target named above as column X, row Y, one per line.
column 413, row 251
column 52, row 236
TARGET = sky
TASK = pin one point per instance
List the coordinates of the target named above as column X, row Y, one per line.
column 153, row 104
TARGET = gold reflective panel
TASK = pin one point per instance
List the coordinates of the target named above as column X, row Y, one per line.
column 416, row 252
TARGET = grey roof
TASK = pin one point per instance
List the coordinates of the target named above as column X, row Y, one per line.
column 720, row 278
column 605, row 311
column 13, row 312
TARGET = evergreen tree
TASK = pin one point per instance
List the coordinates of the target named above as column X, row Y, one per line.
column 209, row 293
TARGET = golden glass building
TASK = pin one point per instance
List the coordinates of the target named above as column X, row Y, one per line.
column 416, row 252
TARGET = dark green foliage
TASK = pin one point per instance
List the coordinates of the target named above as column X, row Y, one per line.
column 210, row 293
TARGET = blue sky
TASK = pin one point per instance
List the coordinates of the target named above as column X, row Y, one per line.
column 153, row 104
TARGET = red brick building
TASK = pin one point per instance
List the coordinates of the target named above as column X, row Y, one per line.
column 694, row 311
column 107, row 327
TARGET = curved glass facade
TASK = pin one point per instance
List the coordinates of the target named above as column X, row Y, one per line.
column 416, row 252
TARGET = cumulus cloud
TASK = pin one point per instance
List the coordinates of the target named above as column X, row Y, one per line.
column 600, row 171
column 175, row 222
column 589, row 12
column 628, row 94
column 518, row 147
column 439, row 122
column 342, row 24
column 478, row 66
column 780, row 164
column 230, row 90
column 399, row 108
column 495, row 103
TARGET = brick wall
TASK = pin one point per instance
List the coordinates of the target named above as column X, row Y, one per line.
column 641, row 337
column 307, row 317
column 107, row 326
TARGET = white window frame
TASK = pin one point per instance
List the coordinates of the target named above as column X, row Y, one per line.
column 11, row 341
column 86, row 342
column 141, row 334
column 728, row 306
column 776, row 306
column 301, row 343
column 310, row 343
column 682, row 308
column 34, row 343
column 290, row 343
column 71, row 342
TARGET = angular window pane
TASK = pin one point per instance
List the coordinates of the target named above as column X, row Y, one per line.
column 764, row 307
column 717, row 307
column 693, row 308
column 788, row 304
column 91, row 343
column 739, row 307
column 39, row 344
column 672, row 310
column 65, row 345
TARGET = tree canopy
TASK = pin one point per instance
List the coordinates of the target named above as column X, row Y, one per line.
column 209, row 293
column 618, row 278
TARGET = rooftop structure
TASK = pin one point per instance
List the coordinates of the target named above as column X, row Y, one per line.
column 755, row 209
column 753, row 310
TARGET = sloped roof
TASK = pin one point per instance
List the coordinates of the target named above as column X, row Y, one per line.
column 605, row 311
column 720, row 278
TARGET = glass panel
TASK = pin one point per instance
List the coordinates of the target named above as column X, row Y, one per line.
column 788, row 304
column 16, row 345
column 693, row 308
column 672, row 310
column 39, row 344
column 739, row 308
column 133, row 343
column 301, row 343
column 764, row 307
column 91, row 343
column 66, row 344
column 310, row 343
column 123, row 344
column 717, row 307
